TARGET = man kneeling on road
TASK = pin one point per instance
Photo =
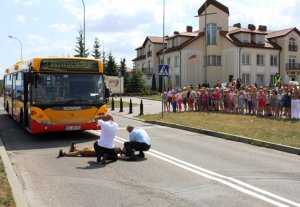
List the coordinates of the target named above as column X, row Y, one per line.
column 139, row 140
column 104, row 147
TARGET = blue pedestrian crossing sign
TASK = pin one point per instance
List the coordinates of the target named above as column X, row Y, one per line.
column 163, row 70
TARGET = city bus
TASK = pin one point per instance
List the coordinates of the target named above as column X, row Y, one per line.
column 55, row 94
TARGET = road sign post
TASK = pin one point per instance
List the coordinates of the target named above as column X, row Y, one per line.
column 163, row 71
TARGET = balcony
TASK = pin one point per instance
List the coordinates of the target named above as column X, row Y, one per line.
column 149, row 54
column 147, row 71
column 292, row 66
column 293, row 48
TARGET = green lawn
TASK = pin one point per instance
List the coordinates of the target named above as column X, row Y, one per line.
column 280, row 131
column 6, row 197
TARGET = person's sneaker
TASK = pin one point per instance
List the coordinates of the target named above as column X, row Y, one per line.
column 61, row 153
column 72, row 148
column 104, row 158
column 132, row 158
column 141, row 154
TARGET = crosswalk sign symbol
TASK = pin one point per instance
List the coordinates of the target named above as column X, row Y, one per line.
column 163, row 70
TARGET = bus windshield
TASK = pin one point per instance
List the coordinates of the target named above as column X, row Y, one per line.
column 68, row 89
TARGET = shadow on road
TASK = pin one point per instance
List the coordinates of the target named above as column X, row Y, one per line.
column 16, row 138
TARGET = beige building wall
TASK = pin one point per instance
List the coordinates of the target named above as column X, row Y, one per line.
column 285, row 55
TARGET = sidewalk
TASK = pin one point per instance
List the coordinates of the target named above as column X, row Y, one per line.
column 149, row 107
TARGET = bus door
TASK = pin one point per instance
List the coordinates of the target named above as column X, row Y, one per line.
column 13, row 96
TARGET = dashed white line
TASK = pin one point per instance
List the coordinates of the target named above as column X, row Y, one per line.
column 228, row 181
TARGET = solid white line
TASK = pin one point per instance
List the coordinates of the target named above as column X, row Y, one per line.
column 216, row 177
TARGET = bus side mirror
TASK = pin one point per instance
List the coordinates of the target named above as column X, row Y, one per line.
column 29, row 77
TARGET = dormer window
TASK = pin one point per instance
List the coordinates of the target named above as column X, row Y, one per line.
column 260, row 39
column 170, row 44
column 246, row 38
column 177, row 41
column 292, row 45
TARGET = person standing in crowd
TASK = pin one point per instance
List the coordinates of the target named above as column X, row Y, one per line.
column 279, row 107
column 104, row 147
column 273, row 102
column 287, row 103
column 179, row 100
column 174, row 101
column 184, row 98
column 295, row 102
column 169, row 91
column 277, row 81
column 165, row 101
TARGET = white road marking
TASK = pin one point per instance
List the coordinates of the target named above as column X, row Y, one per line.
column 229, row 181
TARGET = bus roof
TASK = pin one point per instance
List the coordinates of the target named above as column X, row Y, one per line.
column 61, row 64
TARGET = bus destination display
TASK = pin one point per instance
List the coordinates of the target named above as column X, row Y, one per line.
column 69, row 65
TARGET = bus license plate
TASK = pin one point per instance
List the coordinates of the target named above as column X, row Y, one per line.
column 71, row 128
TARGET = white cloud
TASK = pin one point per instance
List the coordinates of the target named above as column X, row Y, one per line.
column 21, row 18
column 35, row 19
column 33, row 39
column 62, row 27
column 28, row 2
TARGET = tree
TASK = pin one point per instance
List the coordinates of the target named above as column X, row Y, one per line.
column 79, row 48
column 137, row 84
column 104, row 61
column 124, row 72
column 96, row 52
column 153, row 87
column 111, row 66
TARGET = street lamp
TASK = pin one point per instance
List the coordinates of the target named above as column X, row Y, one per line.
column 163, row 58
column 20, row 44
column 83, row 26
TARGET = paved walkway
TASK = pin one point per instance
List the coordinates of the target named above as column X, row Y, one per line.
column 149, row 107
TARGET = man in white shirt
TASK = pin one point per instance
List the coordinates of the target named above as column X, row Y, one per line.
column 139, row 140
column 104, row 147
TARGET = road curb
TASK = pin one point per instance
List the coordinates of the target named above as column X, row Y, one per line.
column 15, row 185
column 247, row 140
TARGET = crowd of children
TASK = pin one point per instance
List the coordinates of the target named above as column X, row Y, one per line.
column 254, row 100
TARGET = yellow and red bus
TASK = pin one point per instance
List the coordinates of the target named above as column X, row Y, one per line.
column 55, row 94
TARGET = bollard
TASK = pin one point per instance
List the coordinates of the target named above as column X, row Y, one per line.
column 121, row 105
column 130, row 107
column 141, row 108
column 112, row 104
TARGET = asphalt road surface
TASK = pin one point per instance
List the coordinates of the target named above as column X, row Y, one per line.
column 181, row 169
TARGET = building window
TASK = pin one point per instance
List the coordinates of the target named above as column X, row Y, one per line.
column 272, row 78
column 168, row 61
column 177, row 62
column 246, row 78
column 177, row 79
column 214, row 60
column 246, row 38
column 149, row 52
column 292, row 62
column 260, row 39
column 260, row 60
column 211, row 34
column 273, row 60
column 177, row 41
column 260, row 79
column 245, row 59
column 292, row 45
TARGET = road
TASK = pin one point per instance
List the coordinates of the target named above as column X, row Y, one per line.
column 181, row 169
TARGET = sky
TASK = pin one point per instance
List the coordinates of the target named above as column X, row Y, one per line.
column 50, row 27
